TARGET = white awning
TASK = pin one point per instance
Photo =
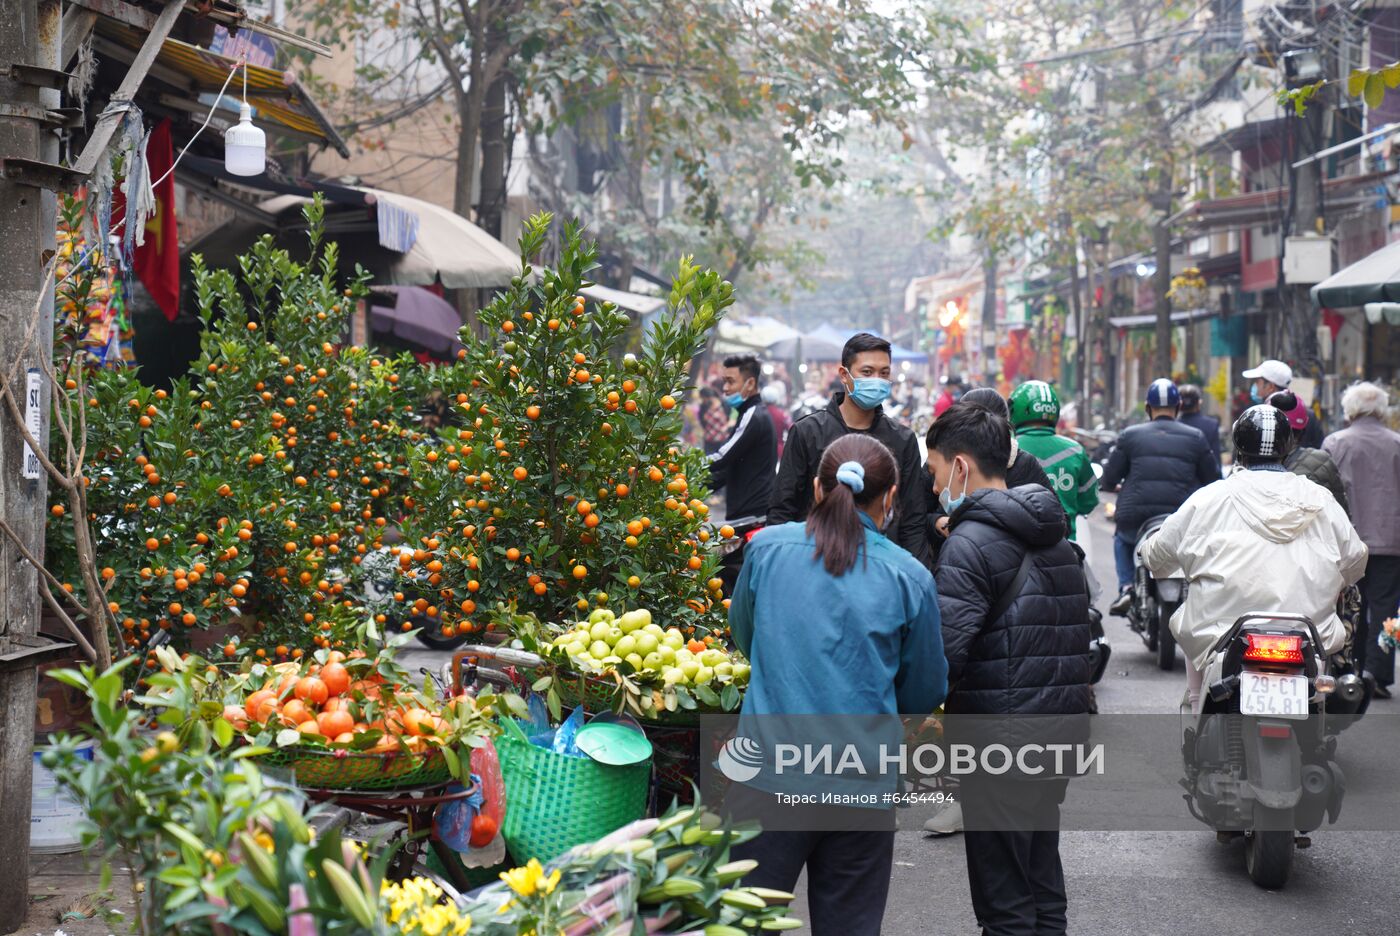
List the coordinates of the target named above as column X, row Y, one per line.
column 632, row 302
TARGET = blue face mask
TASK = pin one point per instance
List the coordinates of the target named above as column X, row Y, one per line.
column 869, row 392
column 1254, row 396
column 734, row 399
column 948, row 502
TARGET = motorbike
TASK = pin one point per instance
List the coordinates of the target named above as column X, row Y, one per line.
column 1260, row 758
column 1154, row 601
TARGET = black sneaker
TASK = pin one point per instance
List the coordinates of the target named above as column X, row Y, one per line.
column 1121, row 604
column 1380, row 692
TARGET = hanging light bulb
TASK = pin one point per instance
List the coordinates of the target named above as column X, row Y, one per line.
column 245, row 146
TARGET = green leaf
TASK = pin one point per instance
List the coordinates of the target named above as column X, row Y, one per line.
column 1375, row 90
column 1391, row 75
column 454, row 763
column 288, row 737
column 1356, row 82
column 184, row 835
column 223, row 732
column 730, row 698
column 257, row 750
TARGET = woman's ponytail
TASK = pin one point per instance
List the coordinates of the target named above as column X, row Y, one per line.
column 855, row 470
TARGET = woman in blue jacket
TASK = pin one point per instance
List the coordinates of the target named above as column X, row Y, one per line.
column 836, row 620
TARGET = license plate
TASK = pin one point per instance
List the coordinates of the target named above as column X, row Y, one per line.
column 1273, row 695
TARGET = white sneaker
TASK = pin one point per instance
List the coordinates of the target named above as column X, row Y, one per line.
column 947, row 821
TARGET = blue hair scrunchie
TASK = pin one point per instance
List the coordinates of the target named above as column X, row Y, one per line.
column 852, row 474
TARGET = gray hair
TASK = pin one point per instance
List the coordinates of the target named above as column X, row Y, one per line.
column 1364, row 399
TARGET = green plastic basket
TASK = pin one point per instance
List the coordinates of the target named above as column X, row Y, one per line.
column 555, row 801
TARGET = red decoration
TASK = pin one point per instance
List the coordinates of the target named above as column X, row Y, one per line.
column 157, row 261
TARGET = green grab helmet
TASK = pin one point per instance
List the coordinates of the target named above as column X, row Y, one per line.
column 1034, row 401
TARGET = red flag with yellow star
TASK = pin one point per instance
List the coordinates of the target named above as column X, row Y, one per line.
column 157, row 261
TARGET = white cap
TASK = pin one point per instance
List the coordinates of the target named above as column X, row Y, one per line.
column 1275, row 372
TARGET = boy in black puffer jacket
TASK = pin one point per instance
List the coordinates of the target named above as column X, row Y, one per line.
column 1030, row 659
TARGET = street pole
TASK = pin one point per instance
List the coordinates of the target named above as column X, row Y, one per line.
column 27, row 216
column 1307, row 219
column 1162, row 279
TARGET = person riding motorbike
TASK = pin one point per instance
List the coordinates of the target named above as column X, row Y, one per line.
column 1192, row 416
column 1263, row 539
column 1312, row 463
column 1158, row 464
column 1035, row 409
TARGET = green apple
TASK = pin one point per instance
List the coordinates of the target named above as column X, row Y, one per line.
column 634, row 620
column 652, row 661
column 724, row 668
column 635, row 659
column 689, row 668
column 712, row 657
column 599, row 631
column 601, row 614
column 672, row 675
column 741, row 672
column 684, row 654
column 667, row 654
column 655, row 630
column 578, row 648
column 646, row 643
column 703, row 675
column 625, row 645
column 599, row 649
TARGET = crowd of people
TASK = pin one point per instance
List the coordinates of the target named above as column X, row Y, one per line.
column 872, row 578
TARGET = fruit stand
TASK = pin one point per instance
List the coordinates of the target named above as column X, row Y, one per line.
column 263, row 535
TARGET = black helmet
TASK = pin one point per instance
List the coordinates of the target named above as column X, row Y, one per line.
column 1190, row 397
column 1262, row 433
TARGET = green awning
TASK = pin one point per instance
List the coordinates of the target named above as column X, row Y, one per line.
column 1373, row 279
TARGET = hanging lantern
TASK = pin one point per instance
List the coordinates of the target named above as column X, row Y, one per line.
column 245, row 146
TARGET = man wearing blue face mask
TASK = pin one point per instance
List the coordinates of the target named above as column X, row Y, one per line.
column 857, row 407
column 743, row 466
column 1269, row 378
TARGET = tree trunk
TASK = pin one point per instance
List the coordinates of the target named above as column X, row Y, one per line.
column 1086, row 337
column 990, row 265
column 491, row 205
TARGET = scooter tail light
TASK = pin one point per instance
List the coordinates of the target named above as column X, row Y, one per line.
column 1273, row 648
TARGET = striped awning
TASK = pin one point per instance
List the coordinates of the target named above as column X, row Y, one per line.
column 280, row 102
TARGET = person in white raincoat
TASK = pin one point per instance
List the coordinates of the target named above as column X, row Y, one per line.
column 1263, row 539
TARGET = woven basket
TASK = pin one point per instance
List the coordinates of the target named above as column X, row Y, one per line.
column 555, row 801
column 596, row 694
column 352, row 770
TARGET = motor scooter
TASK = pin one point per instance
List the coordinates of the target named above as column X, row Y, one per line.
column 1260, row 759
column 1154, row 601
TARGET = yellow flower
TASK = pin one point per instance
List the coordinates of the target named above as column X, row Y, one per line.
column 525, row 881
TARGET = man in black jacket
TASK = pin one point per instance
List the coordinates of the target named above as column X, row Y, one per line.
column 744, row 464
column 865, row 375
column 1159, row 464
column 1017, row 645
column 1192, row 416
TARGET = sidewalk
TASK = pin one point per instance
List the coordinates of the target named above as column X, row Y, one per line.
column 62, row 883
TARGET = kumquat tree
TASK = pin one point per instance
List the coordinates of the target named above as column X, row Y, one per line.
column 561, row 484
column 251, row 491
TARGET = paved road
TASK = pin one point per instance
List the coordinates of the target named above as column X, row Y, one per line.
column 1163, row 882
